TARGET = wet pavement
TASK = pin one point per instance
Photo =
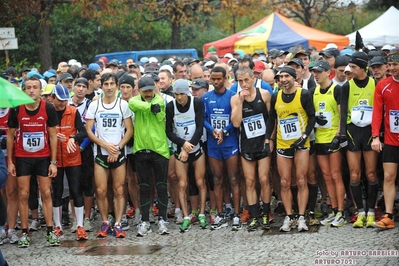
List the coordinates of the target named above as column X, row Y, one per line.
column 319, row 246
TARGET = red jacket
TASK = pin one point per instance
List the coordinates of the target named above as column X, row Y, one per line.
column 68, row 128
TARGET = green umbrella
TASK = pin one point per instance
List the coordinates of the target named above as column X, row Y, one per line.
column 11, row 96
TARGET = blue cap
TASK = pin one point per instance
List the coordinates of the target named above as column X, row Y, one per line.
column 144, row 60
column 94, row 66
column 49, row 74
column 34, row 73
column 347, row 52
column 61, row 92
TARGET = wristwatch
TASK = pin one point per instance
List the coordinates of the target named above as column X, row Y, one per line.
column 225, row 133
column 54, row 162
column 118, row 147
column 374, row 137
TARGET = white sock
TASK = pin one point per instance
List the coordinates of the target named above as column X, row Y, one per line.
column 228, row 205
column 57, row 216
column 177, row 210
column 79, row 215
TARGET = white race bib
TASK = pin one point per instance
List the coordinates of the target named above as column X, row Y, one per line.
column 290, row 129
column 33, row 141
column 394, row 121
column 361, row 115
column 328, row 117
column 220, row 121
column 254, row 126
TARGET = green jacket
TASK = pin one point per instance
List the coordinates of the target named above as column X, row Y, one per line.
column 149, row 129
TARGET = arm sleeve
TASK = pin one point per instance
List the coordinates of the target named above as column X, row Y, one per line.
column 12, row 118
column 337, row 94
column 307, row 103
column 52, row 115
column 170, row 113
column 344, row 107
column 272, row 117
column 199, row 121
column 377, row 111
column 82, row 133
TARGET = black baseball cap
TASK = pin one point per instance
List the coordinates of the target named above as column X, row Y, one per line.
column 321, row 65
column 377, row 60
column 66, row 76
column 296, row 61
column 146, row 83
column 330, row 52
column 274, row 53
column 199, row 84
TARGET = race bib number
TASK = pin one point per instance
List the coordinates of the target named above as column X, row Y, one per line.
column 109, row 122
column 185, row 129
column 394, row 121
column 220, row 121
column 328, row 117
column 33, row 141
column 361, row 115
column 290, row 129
column 254, row 126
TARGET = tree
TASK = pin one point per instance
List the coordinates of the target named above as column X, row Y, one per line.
column 310, row 12
column 175, row 12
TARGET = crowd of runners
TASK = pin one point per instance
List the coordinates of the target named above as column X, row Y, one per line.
column 309, row 135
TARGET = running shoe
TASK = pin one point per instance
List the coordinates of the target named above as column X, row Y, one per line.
column 378, row 215
column 361, row 220
column 59, row 232
column 143, row 229
column 118, row 231
column 155, row 210
column 193, row 217
column 74, row 226
column 245, row 216
column 327, row 221
column 212, row 216
column 280, row 210
column 179, row 217
column 220, row 222
column 302, row 224
column 130, row 212
column 236, row 225
column 171, row 213
column 203, row 223
column 185, row 226
column 265, row 222
column 339, row 220
column 24, row 241
column 227, row 213
column 312, row 220
column 354, row 216
column 137, row 217
column 81, row 233
column 34, row 225
column 271, row 218
column 162, row 229
column 105, row 229
column 370, row 220
column 52, row 239
column 12, row 236
column 125, row 223
column 111, row 221
column 385, row 223
column 253, row 226
column 87, row 225
column 286, row 224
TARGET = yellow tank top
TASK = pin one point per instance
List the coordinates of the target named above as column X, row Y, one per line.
column 360, row 103
column 326, row 105
column 291, row 120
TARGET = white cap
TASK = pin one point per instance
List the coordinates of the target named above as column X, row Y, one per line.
column 330, row 45
column 228, row 55
column 43, row 83
column 152, row 60
column 232, row 59
column 387, row 47
column 141, row 69
column 371, row 47
column 347, row 68
column 73, row 62
column 209, row 63
column 167, row 67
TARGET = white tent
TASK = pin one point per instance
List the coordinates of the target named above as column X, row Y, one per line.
column 383, row 30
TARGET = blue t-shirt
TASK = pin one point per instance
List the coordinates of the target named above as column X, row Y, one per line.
column 217, row 115
column 263, row 85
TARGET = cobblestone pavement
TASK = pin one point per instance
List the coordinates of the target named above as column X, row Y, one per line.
column 319, row 246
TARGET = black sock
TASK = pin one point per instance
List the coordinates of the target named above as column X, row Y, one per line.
column 27, row 232
column 49, row 229
column 313, row 190
column 266, row 208
column 294, row 191
column 253, row 210
column 335, row 210
column 390, row 215
column 357, row 195
column 291, row 217
column 372, row 193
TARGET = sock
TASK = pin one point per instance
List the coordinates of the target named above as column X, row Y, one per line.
column 194, row 212
column 335, row 210
column 49, row 229
column 201, row 215
column 390, row 216
column 372, row 193
column 25, row 230
column 57, row 216
column 79, row 215
column 228, row 205
column 186, row 217
column 266, row 208
column 253, row 210
column 313, row 190
column 177, row 210
column 357, row 195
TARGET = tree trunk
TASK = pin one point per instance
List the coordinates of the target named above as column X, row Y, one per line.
column 175, row 34
column 44, row 48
